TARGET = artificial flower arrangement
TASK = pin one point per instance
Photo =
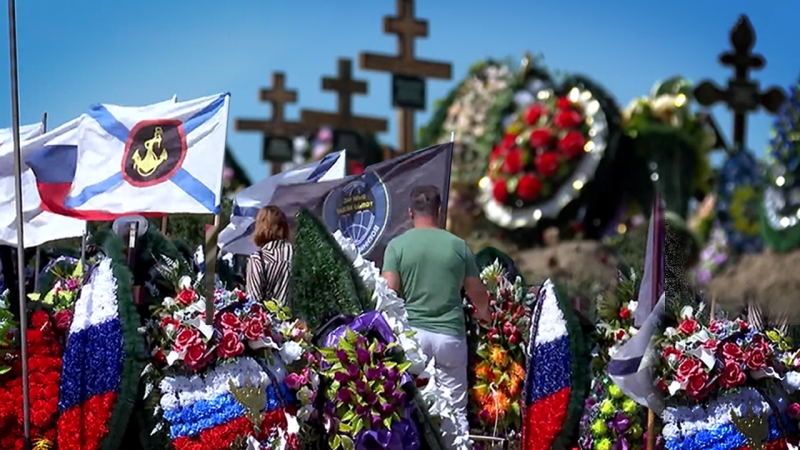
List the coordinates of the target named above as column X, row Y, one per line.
column 44, row 373
column 539, row 151
column 610, row 418
column 66, row 277
column 723, row 385
column 500, row 371
column 364, row 392
column 434, row 396
column 712, row 257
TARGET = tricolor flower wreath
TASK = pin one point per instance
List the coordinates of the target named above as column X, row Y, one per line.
column 555, row 383
column 233, row 402
column 44, row 365
column 551, row 148
column 102, row 362
column 438, row 398
column 721, row 424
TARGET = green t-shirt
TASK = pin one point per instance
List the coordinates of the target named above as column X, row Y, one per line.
column 432, row 265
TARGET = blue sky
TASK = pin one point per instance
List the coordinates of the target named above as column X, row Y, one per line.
column 73, row 54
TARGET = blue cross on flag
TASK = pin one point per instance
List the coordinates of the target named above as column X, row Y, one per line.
column 161, row 158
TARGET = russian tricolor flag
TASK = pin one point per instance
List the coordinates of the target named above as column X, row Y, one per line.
column 549, row 373
column 92, row 364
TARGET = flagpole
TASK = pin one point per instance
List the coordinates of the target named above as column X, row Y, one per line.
column 23, row 315
column 38, row 247
column 446, row 195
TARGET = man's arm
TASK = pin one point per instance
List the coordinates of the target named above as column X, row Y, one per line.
column 391, row 269
column 476, row 290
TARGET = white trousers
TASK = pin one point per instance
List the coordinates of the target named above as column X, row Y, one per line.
column 450, row 354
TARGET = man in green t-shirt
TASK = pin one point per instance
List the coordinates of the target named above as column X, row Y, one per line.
column 428, row 267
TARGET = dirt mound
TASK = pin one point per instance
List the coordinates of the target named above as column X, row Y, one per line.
column 771, row 279
column 581, row 265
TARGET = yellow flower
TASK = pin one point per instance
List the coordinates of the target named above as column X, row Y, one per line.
column 636, row 431
column 599, row 427
column 607, row 408
column 603, row 444
column 614, row 391
column 629, row 406
column 480, row 392
column 517, row 370
column 498, row 356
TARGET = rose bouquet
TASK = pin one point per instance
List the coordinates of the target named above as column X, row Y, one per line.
column 499, row 370
column 540, row 150
column 67, row 281
column 363, row 390
column 698, row 361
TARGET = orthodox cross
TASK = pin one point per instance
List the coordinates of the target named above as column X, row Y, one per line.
column 742, row 94
column 408, row 72
column 278, row 133
column 345, row 87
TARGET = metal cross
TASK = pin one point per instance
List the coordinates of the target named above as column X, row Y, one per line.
column 742, row 94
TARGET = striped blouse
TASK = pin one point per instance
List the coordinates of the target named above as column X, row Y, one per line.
column 269, row 271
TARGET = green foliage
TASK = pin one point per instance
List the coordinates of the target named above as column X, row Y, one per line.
column 324, row 282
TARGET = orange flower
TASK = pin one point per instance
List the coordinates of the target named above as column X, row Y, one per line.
column 498, row 356
column 496, row 404
column 479, row 393
column 514, row 386
column 483, row 371
column 517, row 371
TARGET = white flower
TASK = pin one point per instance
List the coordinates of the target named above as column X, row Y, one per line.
column 169, row 302
column 632, row 305
column 687, row 312
column 185, row 282
column 670, row 332
column 291, row 352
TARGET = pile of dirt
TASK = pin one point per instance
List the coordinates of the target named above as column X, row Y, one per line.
column 584, row 266
column 770, row 279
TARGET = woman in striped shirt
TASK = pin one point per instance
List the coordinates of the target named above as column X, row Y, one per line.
column 269, row 269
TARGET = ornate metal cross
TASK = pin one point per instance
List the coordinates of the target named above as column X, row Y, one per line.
column 742, row 94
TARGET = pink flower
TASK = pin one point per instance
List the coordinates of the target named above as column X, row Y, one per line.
column 295, row 381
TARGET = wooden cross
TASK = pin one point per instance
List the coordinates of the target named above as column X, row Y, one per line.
column 407, row 28
column 742, row 94
column 276, row 127
column 345, row 87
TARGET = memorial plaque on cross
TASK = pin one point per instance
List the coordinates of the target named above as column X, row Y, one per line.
column 278, row 132
column 742, row 94
column 346, row 124
column 408, row 72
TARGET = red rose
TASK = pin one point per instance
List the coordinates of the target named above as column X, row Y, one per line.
column 169, row 322
column 687, row 368
column 571, row 145
column 624, row 313
column 512, row 163
column 230, row 322
column 500, row 191
column 160, row 358
column 563, row 103
column 40, row 320
column 732, row 375
column 513, row 339
column 63, row 320
column 195, row 357
column 253, row 329
column 186, row 338
column 696, row 385
column 547, row 164
column 529, row 187
column 186, row 296
column 496, row 152
column 710, row 344
column 731, row 351
column 620, row 334
column 509, row 141
column 754, row 359
column 230, row 345
column 568, row 119
column 534, row 113
column 541, row 137
column 688, row 327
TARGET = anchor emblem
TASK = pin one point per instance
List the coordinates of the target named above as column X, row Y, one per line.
column 147, row 166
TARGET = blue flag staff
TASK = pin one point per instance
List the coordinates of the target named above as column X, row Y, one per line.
column 23, row 316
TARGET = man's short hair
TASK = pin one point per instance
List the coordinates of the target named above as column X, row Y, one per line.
column 426, row 200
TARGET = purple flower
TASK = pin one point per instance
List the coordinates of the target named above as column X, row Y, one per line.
column 386, row 409
column 393, row 374
column 399, row 397
column 342, row 356
column 620, row 423
column 361, row 387
column 373, row 373
column 362, row 356
column 375, row 422
column 341, row 377
column 353, row 370
column 379, row 348
column 329, row 408
column 389, row 387
column 371, row 398
column 362, row 410
column 361, row 342
column 344, row 395
column 621, row 444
